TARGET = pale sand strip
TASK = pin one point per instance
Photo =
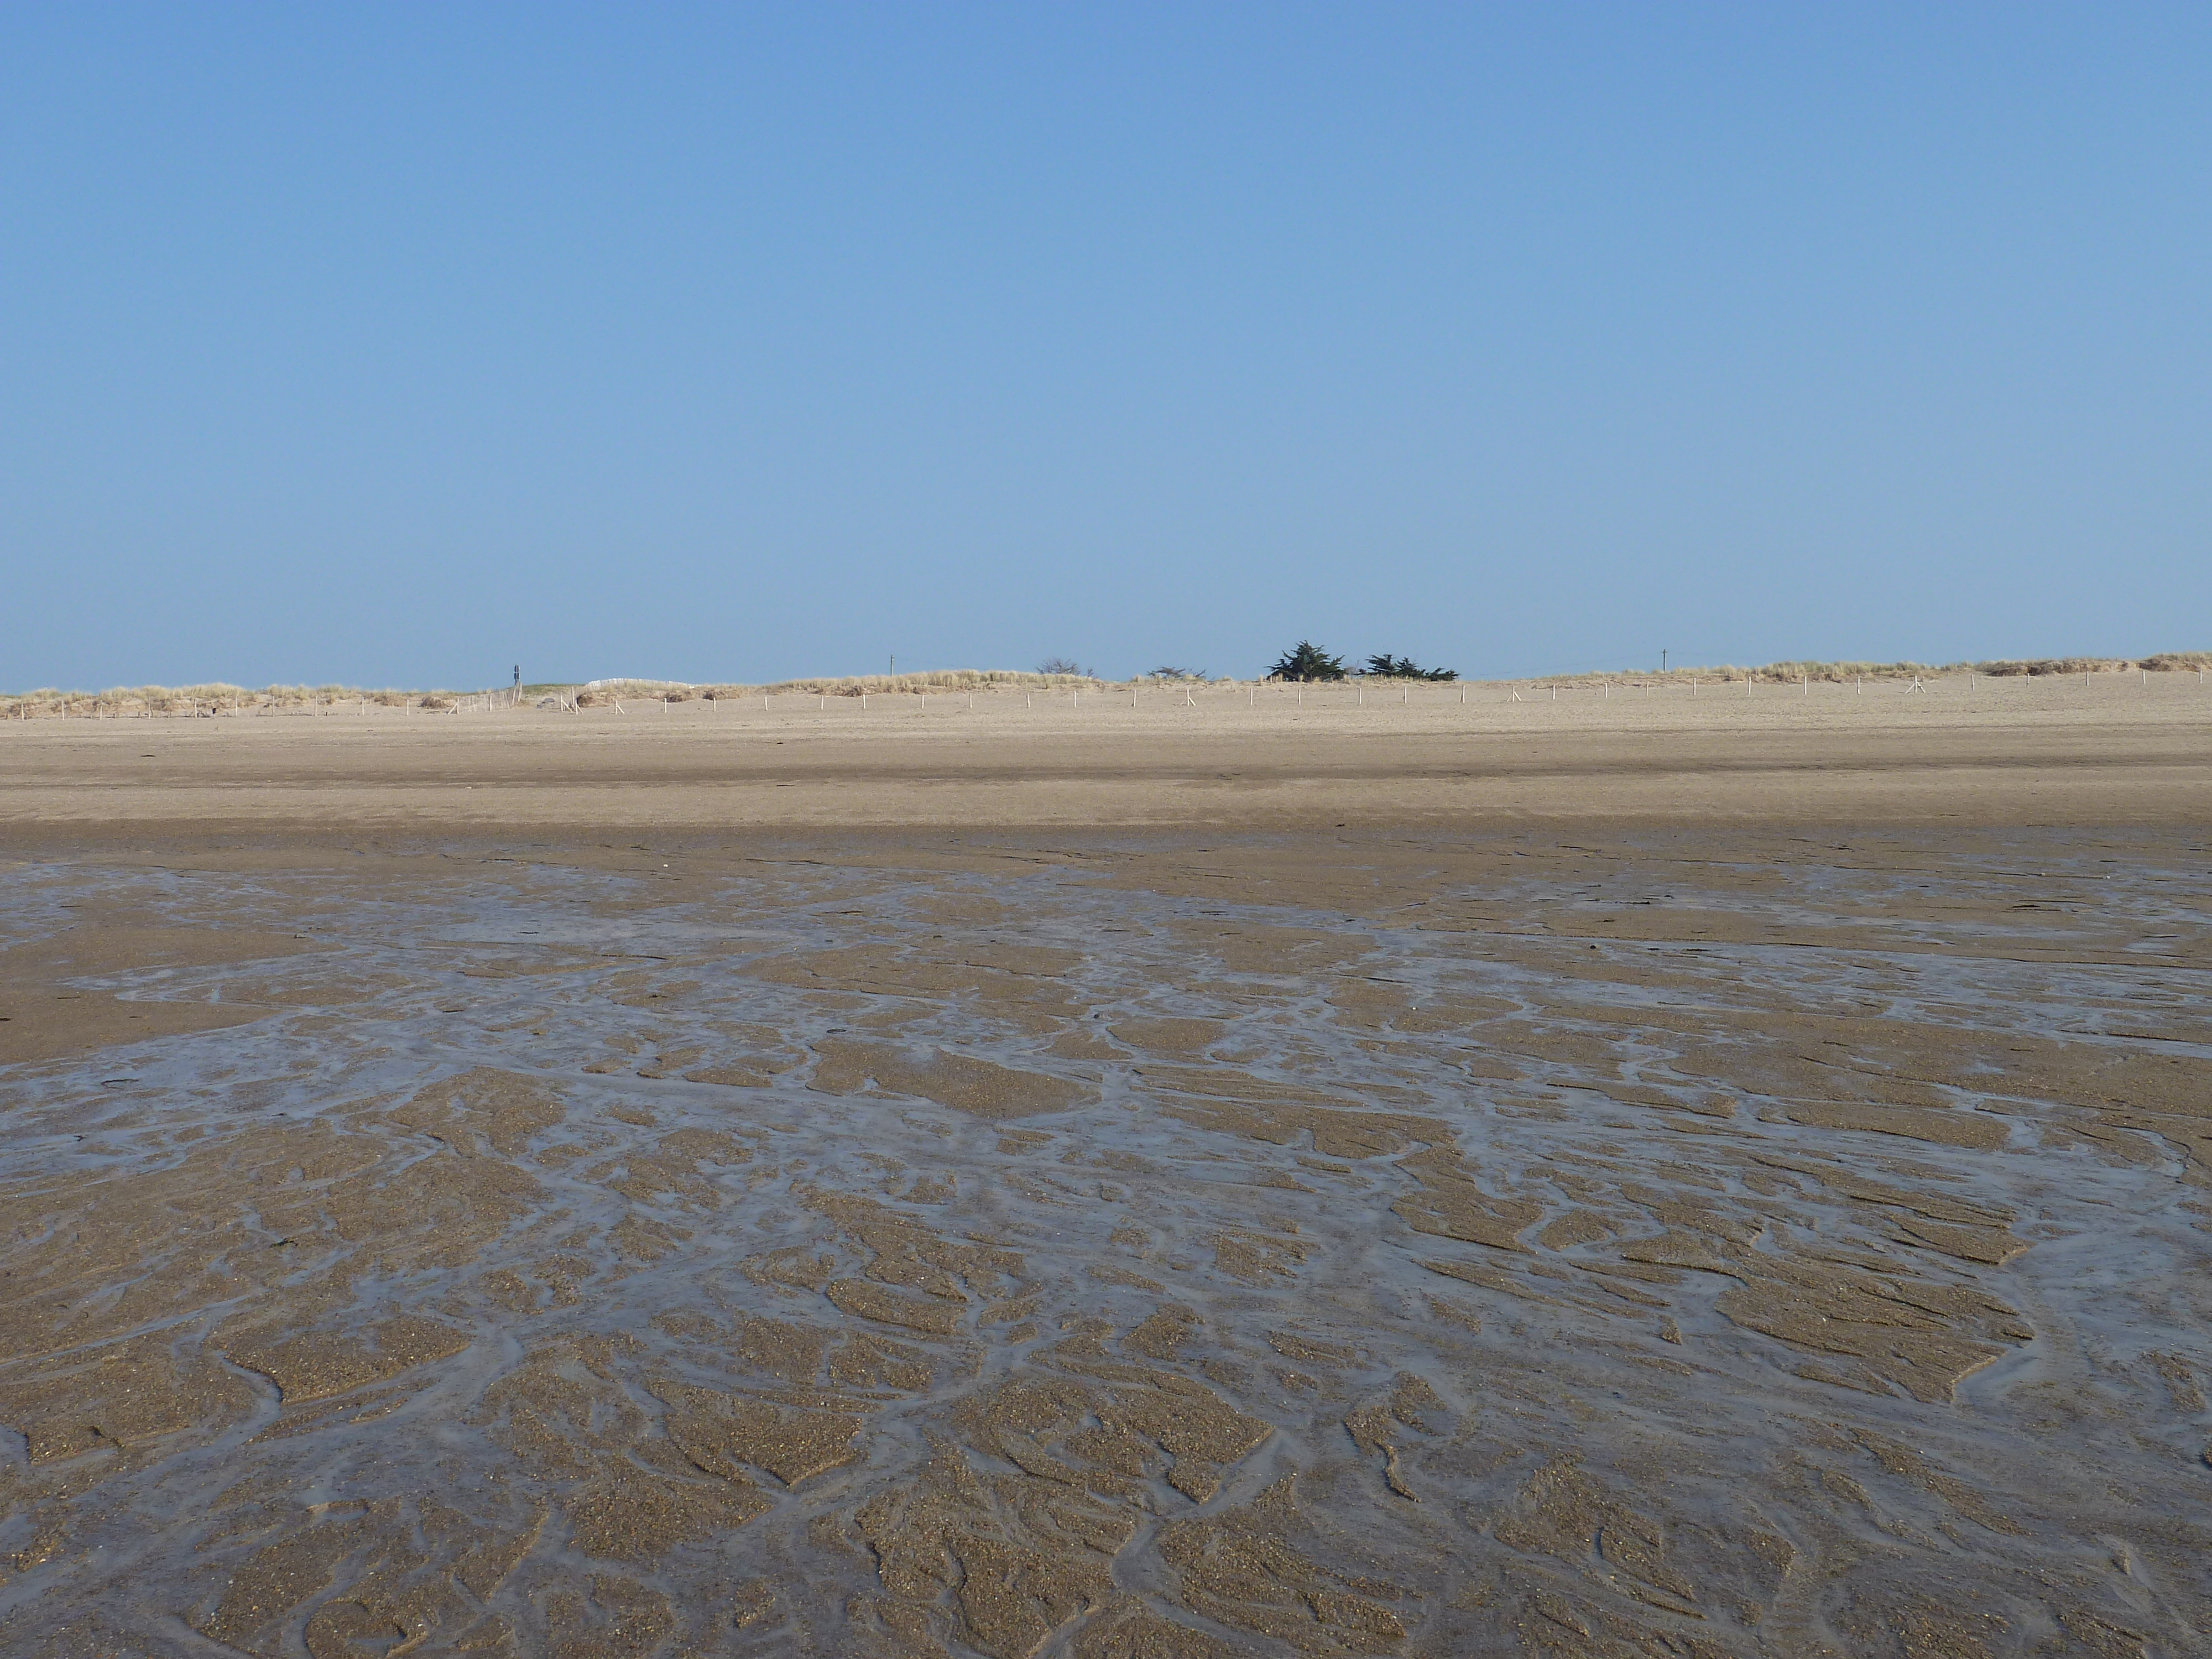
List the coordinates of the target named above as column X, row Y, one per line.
column 2117, row 753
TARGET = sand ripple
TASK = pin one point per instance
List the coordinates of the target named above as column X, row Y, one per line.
column 1769, row 1246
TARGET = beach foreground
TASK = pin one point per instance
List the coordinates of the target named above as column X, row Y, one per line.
column 1726, row 1177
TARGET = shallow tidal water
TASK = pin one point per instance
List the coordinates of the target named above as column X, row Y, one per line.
column 1787, row 1246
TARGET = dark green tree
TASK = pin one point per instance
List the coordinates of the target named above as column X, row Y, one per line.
column 1388, row 667
column 1307, row 661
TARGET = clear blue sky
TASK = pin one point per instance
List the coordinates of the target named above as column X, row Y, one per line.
column 398, row 343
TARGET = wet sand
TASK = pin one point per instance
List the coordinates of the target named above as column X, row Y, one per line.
column 1588, row 1178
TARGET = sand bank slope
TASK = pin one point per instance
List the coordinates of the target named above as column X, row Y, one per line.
column 2023, row 753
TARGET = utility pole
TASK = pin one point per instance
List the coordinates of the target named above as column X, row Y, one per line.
column 1662, row 659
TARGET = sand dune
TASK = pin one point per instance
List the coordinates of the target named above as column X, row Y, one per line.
column 2119, row 750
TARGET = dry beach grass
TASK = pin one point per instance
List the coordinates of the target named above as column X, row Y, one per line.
column 217, row 699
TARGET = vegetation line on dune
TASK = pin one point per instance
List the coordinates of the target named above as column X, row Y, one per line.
column 221, row 698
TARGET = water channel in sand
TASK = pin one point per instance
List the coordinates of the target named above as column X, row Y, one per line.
column 1786, row 1245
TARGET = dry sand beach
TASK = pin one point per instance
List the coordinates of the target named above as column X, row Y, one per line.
column 1628, row 1174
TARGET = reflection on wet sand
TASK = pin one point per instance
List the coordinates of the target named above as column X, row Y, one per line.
column 1771, row 1244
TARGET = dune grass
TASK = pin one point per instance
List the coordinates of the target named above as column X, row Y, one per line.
column 1794, row 672
column 222, row 699
column 945, row 679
